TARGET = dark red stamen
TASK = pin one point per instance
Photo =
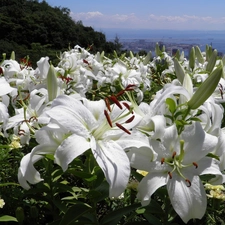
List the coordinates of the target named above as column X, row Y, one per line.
column 189, row 182
column 114, row 99
column 130, row 119
column 108, row 118
column 120, row 93
column 195, row 164
column 85, row 61
column 170, row 175
column 130, row 87
column 123, row 128
column 127, row 106
column 174, row 154
column 107, row 104
column 162, row 160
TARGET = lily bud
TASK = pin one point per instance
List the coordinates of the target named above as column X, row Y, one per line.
column 157, row 50
column 177, row 55
column 13, row 57
column 179, row 70
column 20, row 214
column 199, row 55
column 211, row 61
column 192, row 58
column 52, row 84
column 3, row 58
column 206, row 88
column 147, row 58
column 131, row 54
column 208, row 51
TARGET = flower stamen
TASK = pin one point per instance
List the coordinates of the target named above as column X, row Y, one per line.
column 170, row 175
column 108, row 118
column 189, row 182
column 107, row 103
column 130, row 119
column 114, row 99
column 195, row 164
column 123, row 128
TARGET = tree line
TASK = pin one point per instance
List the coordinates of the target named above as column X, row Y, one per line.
column 34, row 28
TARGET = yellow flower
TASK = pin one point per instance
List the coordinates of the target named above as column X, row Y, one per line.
column 15, row 142
column 2, row 203
column 215, row 191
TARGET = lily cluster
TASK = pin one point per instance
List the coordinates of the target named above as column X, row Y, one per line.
column 109, row 106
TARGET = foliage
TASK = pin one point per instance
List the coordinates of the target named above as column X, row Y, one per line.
column 34, row 28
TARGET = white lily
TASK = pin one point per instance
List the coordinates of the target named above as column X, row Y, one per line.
column 106, row 133
column 181, row 159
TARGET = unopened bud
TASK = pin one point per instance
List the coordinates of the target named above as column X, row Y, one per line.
column 206, row 88
column 52, row 84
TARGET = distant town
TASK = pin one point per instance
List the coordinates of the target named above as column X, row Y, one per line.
column 137, row 45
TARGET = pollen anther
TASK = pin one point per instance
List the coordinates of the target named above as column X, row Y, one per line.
column 123, row 128
column 170, row 175
column 189, row 182
column 195, row 164
column 130, row 119
column 114, row 99
column 108, row 118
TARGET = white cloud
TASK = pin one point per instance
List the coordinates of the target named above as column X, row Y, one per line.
column 100, row 20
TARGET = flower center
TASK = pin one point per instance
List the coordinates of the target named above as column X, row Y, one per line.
column 109, row 123
column 175, row 161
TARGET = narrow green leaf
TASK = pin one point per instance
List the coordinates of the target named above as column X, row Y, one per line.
column 8, row 184
column 114, row 217
column 7, row 218
column 74, row 212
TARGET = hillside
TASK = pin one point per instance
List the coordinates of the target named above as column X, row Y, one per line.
column 31, row 27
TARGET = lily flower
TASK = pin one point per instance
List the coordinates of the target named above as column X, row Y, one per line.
column 180, row 161
column 90, row 125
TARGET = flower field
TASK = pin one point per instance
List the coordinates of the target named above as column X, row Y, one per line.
column 103, row 140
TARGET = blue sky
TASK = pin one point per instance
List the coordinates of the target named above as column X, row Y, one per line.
column 147, row 14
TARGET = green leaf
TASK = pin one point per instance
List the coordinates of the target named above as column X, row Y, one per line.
column 7, row 218
column 114, row 217
column 74, row 212
column 172, row 105
column 213, row 156
column 8, row 184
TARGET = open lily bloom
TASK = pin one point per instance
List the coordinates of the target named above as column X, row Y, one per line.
column 90, row 125
column 180, row 161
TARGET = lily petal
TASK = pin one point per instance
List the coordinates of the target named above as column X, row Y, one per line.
column 149, row 184
column 70, row 148
column 188, row 202
column 115, row 165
